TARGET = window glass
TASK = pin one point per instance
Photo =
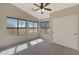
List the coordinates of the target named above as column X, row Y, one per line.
column 21, row 27
column 11, row 26
column 12, row 22
column 21, row 23
column 35, row 26
column 45, row 26
column 30, row 25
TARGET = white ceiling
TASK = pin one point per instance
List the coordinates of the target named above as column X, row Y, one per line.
column 27, row 7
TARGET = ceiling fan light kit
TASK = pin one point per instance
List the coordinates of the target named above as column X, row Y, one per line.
column 42, row 7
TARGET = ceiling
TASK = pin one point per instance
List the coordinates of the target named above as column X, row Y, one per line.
column 27, row 7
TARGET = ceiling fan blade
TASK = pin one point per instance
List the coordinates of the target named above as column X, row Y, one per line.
column 46, row 4
column 35, row 9
column 48, row 9
column 36, row 5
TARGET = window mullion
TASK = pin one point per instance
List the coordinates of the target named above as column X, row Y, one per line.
column 17, row 27
column 33, row 26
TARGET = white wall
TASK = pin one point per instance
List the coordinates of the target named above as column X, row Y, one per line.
column 64, row 29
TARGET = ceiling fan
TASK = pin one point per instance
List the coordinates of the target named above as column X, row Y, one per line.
column 42, row 7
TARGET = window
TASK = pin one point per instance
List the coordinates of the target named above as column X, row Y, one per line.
column 33, row 26
column 47, row 24
column 47, row 29
column 30, row 25
column 22, row 27
column 12, row 26
column 12, row 22
column 44, row 26
column 16, row 26
column 19, row 26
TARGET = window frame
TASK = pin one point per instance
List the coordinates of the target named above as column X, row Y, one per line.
column 17, row 28
column 33, row 25
column 43, row 26
column 26, row 25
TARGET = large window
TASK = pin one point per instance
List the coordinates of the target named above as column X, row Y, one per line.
column 12, row 22
column 16, row 26
column 30, row 25
column 44, row 26
column 22, row 27
column 35, row 29
column 33, row 26
column 19, row 26
column 47, row 24
column 12, row 26
column 47, row 29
